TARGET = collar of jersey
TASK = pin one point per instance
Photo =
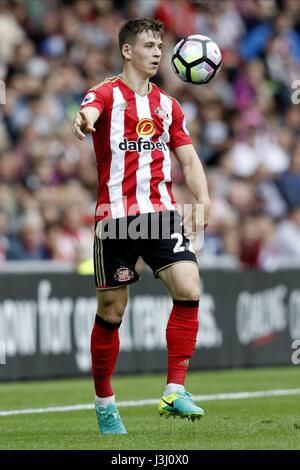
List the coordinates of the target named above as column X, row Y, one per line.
column 142, row 96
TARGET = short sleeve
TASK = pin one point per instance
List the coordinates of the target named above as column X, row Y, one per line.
column 97, row 98
column 179, row 134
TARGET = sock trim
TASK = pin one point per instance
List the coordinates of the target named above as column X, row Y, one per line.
column 186, row 303
column 106, row 324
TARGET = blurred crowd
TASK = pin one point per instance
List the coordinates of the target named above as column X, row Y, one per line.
column 245, row 124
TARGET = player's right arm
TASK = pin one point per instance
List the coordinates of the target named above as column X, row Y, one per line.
column 93, row 104
column 84, row 122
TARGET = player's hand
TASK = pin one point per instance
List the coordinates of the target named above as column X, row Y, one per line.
column 206, row 207
column 82, row 125
column 197, row 220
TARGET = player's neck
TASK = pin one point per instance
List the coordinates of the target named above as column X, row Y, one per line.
column 135, row 82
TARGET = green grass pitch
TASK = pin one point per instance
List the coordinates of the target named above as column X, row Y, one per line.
column 253, row 423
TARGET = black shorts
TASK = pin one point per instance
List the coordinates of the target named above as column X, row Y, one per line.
column 158, row 238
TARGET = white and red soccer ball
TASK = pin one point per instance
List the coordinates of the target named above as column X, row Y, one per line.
column 196, row 59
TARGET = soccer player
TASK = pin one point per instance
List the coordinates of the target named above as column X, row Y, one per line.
column 134, row 126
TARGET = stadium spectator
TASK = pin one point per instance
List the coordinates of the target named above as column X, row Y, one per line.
column 28, row 244
column 4, row 240
column 288, row 236
column 288, row 182
column 72, row 234
column 250, row 243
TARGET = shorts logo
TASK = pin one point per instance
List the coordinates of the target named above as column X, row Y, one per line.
column 145, row 127
column 89, row 98
column 123, row 274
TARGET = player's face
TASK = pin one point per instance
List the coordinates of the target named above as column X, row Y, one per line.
column 146, row 53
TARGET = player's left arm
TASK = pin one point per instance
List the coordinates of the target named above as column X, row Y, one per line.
column 195, row 178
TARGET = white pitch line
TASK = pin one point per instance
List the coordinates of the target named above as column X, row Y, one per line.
column 152, row 401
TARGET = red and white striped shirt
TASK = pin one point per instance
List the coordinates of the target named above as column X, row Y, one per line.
column 133, row 138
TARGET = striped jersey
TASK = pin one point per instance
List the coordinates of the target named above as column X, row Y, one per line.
column 133, row 138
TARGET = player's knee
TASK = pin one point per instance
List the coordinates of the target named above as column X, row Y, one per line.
column 112, row 311
column 189, row 294
column 190, row 291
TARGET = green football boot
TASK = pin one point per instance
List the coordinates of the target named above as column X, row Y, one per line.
column 109, row 420
column 180, row 404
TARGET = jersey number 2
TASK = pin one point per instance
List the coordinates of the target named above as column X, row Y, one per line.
column 179, row 244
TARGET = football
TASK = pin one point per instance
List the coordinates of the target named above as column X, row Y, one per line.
column 196, row 59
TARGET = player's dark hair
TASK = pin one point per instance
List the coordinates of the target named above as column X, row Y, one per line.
column 130, row 30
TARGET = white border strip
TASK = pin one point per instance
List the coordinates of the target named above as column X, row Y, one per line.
column 152, row 401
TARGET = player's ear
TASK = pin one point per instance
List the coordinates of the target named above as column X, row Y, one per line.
column 126, row 51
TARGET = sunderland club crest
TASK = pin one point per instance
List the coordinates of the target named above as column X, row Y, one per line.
column 123, row 274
